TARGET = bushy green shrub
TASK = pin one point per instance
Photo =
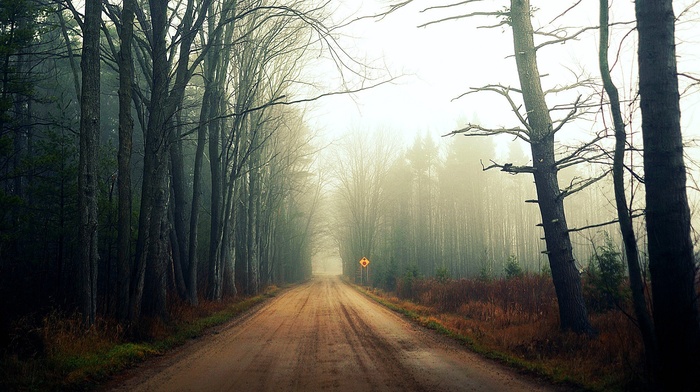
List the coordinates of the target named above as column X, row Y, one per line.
column 512, row 268
column 485, row 274
column 404, row 287
column 385, row 275
column 442, row 274
column 604, row 278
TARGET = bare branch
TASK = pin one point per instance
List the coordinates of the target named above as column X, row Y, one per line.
column 437, row 7
column 569, row 116
column 565, row 12
column 507, row 167
column 582, row 184
column 478, row 130
column 378, row 17
column 280, row 100
column 577, row 153
column 503, row 91
column 562, row 39
column 602, row 224
column 469, row 15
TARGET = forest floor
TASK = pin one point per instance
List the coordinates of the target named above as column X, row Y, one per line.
column 323, row 335
column 58, row 353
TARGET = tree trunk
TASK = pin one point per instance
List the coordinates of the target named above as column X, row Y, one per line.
column 179, row 236
column 126, row 130
column 624, row 217
column 192, row 261
column 86, row 275
column 215, row 159
column 671, row 259
column 155, row 280
column 252, row 226
column 567, row 281
column 154, row 172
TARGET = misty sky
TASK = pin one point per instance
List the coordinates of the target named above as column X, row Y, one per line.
column 442, row 61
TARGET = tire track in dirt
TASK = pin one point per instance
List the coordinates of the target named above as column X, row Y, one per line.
column 322, row 336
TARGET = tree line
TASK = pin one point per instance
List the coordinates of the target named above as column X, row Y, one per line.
column 151, row 152
column 431, row 207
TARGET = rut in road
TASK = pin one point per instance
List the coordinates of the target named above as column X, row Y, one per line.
column 324, row 336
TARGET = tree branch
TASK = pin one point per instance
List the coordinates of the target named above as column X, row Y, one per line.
column 581, row 185
column 577, row 153
column 469, row 15
column 601, row 224
column 478, row 130
column 503, row 91
column 507, row 167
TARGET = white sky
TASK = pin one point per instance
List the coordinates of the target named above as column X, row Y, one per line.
column 444, row 60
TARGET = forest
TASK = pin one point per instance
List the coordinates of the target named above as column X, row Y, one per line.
column 155, row 155
column 148, row 147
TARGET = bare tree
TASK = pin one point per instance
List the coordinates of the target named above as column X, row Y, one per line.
column 624, row 215
column 361, row 173
column 538, row 130
column 671, row 258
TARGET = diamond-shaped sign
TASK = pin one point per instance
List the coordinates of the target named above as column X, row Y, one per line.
column 364, row 262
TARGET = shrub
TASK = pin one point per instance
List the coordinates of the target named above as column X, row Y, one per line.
column 391, row 275
column 404, row 287
column 485, row 274
column 604, row 278
column 513, row 269
column 442, row 274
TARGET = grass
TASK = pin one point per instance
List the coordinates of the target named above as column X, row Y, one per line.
column 74, row 358
column 516, row 322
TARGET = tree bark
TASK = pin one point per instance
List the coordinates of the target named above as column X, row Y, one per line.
column 671, row 259
column 165, row 100
column 215, row 272
column 126, row 130
column 567, row 281
column 624, row 217
column 152, row 207
column 179, row 236
column 86, row 276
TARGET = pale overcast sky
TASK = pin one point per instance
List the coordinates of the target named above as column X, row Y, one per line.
column 442, row 61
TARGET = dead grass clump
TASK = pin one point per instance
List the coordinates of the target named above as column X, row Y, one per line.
column 68, row 355
column 70, row 336
column 517, row 320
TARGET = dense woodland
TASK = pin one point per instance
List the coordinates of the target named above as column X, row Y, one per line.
column 166, row 162
column 157, row 153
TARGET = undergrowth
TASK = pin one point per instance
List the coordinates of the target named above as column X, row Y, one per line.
column 515, row 321
column 69, row 356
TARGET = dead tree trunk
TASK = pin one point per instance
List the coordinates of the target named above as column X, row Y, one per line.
column 567, row 281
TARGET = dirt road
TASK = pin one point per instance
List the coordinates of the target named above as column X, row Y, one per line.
column 320, row 336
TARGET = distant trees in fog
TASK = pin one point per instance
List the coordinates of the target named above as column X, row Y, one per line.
column 439, row 210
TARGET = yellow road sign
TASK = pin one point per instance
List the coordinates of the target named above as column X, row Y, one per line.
column 364, row 262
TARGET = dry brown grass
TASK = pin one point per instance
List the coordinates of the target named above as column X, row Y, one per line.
column 516, row 320
column 67, row 355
